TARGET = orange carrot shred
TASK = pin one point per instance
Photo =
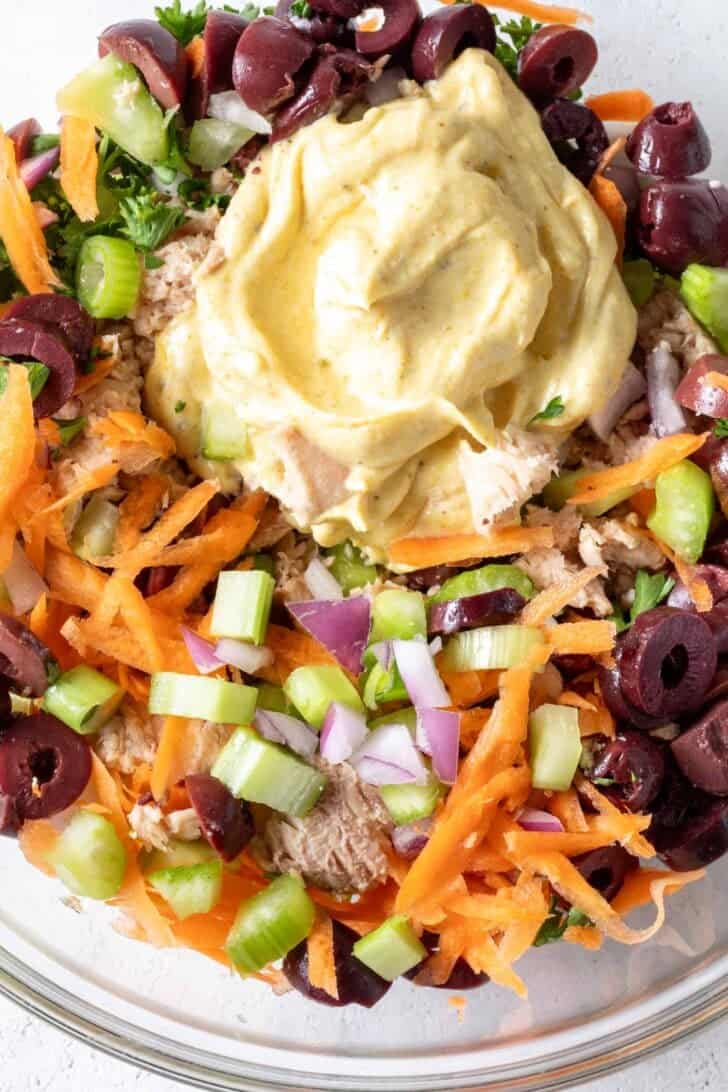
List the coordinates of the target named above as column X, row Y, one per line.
column 94, row 479
column 468, row 688
column 38, row 838
column 614, row 207
column 321, row 961
column 545, row 13
column 79, row 166
column 139, row 508
column 421, row 553
column 663, row 454
column 551, row 601
column 699, row 590
column 643, row 503
column 17, row 450
column 19, row 227
column 632, row 105
column 196, row 55
column 122, row 427
column 168, row 527
column 576, row 638
column 102, row 367
column 566, row 806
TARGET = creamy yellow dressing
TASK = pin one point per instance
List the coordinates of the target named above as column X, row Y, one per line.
column 394, row 288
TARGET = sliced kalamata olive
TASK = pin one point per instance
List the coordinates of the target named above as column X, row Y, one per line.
column 67, row 314
column 342, row 9
column 702, row 839
column 670, row 142
column 676, row 804
column 634, row 764
column 23, row 658
column 357, row 984
column 220, row 38
column 488, row 609
column 555, row 61
column 462, row 976
column 667, row 662
column 606, row 869
column 444, row 35
column 702, row 751
column 336, row 74
column 717, row 619
column 719, row 687
column 22, row 136
column 10, row 822
column 5, row 702
column 44, row 766
column 401, row 19
column 719, row 478
column 155, row 52
column 269, row 54
column 610, row 683
column 683, row 222
column 573, row 664
column 319, row 26
column 625, row 178
column 227, row 823
column 701, row 397
column 424, row 579
column 29, row 340
column 577, row 136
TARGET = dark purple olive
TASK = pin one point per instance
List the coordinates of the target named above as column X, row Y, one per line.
column 319, row 26
column 719, row 478
column 606, row 869
column 155, row 52
column 28, row 340
column 444, row 35
column 702, row 751
column 249, row 152
column 220, row 38
column 335, row 75
column 610, row 682
column 625, row 178
column 227, row 823
column 5, row 702
column 670, row 142
column 357, row 984
column 577, row 136
column 667, row 662
column 341, row 9
column 488, row 609
column 634, row 764
column 401, row 19
column 424, row 579
column 555, row 61
column 23, row 658
column 22, row 136
column 572, row 664
column 65, row 313
column 701, row 840
column 269, row 54
column 10, row 822
column 717, row 619
column 719, row 687
column 462, row 977
column 683, row 222
column 44, row 766
column 677, row 803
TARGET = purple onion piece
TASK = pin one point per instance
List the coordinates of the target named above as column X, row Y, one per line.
column 34, row 170
column 22, row 136
column 409, row 840
column 342, row 626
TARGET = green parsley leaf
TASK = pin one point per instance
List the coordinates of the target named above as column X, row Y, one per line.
column 554, row 409
column 301, row 8
column 721, row 428
column 603, row 782
column 151, row 261
column 148, row 220
column 69, row 430
column 558, row 921
column 37, row 375
column 196, row 194
column 185, row 25
column 649, row 592
column 620, row 622
column 180, row 406
column 44, row 142
column 512, row 37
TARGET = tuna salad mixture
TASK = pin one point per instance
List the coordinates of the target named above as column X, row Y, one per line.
column 363, row 493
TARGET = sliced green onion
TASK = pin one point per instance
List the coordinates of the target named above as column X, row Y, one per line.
column 37, row 376
column 173, row 695
column 313, row 689
column 490, row 648
column 270, row 924
column 242, row 605
column 224, row 435
column 407, row 803
column 705, row 291
column 349, row 567
column 397, row 613
column 640, row 278
column 555, row 746
column 178, row 854
column 94, row 532
column 83, row 699
column 486, row 579
column 562, row 488
column 108, row 277
column 392, row 949
column 194, row 889
column 89, row 857
column 213, row 143
column 684, row 509
column 265, row 773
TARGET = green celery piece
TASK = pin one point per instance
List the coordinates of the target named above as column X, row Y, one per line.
column 383, row 685
column 560, row 489
column 349, row 567
column 37, row 376
column 89, row 857
column 191, row 889
column 112, row 96
column 242, row 605
column 555, row 746
column 640, row 278
column 83, row 699
column 408, row 803
column 705, row 292
column 392, row 949
column 270, row 924
column 224, row 436
column 397, row 613
column 684, row 508
column 486, row 579
column 213, row 143
column 178, row 855
column 313, row 689
column 407, row 716
column 265, row 773
column 108, row 277
column 94, row 532
column 175, row 695
column 490, row 648
column 273, row 698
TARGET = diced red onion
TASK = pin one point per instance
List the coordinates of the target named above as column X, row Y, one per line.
column 435, row 646
column 631, row 388
column 44, row 215
column 389, row 751
column 228, row 106
column 409, row 840
column 386, row 88
column 541, row 821
column 202, row 652
column 373, row 771
column 321, row 582
column 419, row 674
column 344, row 731
column 341, row 626
column 663, row 378
column 438, row 735
column 34, row 170
column 248, row 658
column 23, row 583
column 280, row 728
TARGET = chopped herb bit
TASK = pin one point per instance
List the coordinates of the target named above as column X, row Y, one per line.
column 37, row 375
column 721, row 428
column 179, row 407
column 44, row 142
column 649, row 592
column 604, row 782
column 185, row 25
column 148, row 221
column 519, row 31
column 554, row 409
column 301, row 8
column 152, row 262
column 559, row 920
column 196, row 194
column 69, row 430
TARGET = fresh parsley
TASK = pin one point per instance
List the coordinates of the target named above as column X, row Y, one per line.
column 185, row 25
column 196, row 194
column 180, row 406
column 721, row 428
column 148, row 220
column 649, row 591
column 69, row 430
column 512, row 37
column 554, row 409
column 37, row 375
column 301, row 8
column 559, row 920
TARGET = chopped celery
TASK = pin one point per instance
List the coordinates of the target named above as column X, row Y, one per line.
column 640, row 278
column 490, row 648
column 349, row 567
column 383, row 685
column 684, row 509
column 94, row 532
column 191, row 889
column 175, row 695
column 705, row 291
column 313, row 689
column 242, row 605
column 108, row 277
column 408, row 717
column 89, row 857
column 555, row 746
column 37, row 376
column 407, row 803
column 178, row 855
column 397, row 613
column 392, row 949
column 213, row 143
column 486, row 579
column 224, row 435
column 274, row 699
column 270, row 924
column 560, row 489
column 112, row 96
column 83, row 699
column 265, row 773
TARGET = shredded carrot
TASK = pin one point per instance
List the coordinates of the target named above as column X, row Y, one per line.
column 122, row 427
column 291, row 649
column 46, row 621
column 577, row 638
column 123, row 646
column 661, row 456
column 614, row 207
column 468, row 688
column 17, row 449
column 472, row 723
column 138, row 618
column 196, row 56
column 620, row 826
column 715, row 379
column 139, row 508
column 637, row 889
column 586, row 936
column 698, row 588
column 527, row 843
column 321, row 961
column 566, row 806
column 79, row 166
column 631, row 105
column 180, row 745
column 103, row 366
column 177, row 517
column 19, row 228
column 544, row 13
column 94, row 479
column 597, row 722
column 643, row 503
column 576, row 701
column 421, row 553
column 551, row 601
column 37, row 839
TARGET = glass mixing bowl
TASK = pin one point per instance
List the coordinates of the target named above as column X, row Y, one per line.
column 183, row 1016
